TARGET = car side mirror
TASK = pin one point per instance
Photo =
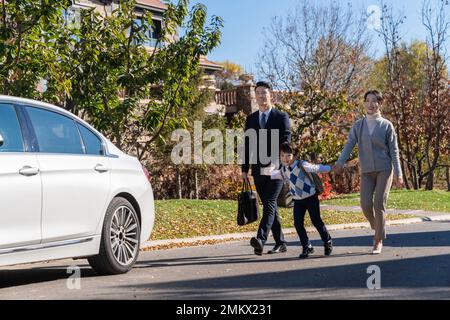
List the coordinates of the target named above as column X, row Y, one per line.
column 1, row 140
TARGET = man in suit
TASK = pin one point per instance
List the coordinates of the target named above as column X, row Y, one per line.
column 270, row 121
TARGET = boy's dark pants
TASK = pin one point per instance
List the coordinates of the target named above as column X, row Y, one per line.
column 311, row 204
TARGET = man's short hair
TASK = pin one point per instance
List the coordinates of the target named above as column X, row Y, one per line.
column 263, row 84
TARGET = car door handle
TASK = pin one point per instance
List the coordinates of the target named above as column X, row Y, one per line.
column 29, row 171
column 100, row 168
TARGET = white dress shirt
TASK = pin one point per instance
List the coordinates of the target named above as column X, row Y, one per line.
column 267, row 113
column 267, row 171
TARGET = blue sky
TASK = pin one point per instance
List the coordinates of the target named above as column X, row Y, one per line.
column 244, row 21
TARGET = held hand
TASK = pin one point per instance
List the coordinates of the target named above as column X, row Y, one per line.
column 398, row 182
column 245, row 177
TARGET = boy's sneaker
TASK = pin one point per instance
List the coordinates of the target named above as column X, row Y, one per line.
column 306, row 252
column 328, row 246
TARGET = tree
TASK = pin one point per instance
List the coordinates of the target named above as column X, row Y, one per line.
column 436, row 87
column 28, row 36
column 100, row 69
column 231, row 72
column 317, row 46
column 320, row 122
column 128, row 91
column 412, row 79
column 184, row 178
column 318, row 56
column 401, row 78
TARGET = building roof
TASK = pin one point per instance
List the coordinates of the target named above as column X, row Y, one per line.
column 153, row 3
column 208, row 64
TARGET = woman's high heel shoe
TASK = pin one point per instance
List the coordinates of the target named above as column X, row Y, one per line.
column 377, row 247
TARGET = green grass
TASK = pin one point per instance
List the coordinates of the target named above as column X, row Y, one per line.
column 435, row 200
column 176, row 219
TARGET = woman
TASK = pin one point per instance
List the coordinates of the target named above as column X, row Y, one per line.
column 378, row 156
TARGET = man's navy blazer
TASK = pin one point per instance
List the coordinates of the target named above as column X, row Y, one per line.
column 277, row 120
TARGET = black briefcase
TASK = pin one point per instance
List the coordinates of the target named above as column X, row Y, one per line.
column 248, row 210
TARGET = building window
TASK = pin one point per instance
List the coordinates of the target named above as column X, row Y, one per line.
column 154, row 33
column 72, row 15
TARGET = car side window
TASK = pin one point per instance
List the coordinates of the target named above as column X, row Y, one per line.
column 92, row 143
column 10, row 130
column 55, row 133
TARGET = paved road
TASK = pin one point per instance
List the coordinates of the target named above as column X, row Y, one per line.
column 414, row 265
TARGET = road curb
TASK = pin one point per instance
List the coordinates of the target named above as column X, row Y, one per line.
column 443, row 217
column 186, row 242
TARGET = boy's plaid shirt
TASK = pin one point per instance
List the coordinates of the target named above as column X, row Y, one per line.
column 300, row 186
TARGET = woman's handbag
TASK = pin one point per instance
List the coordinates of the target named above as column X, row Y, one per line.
column 248, row 209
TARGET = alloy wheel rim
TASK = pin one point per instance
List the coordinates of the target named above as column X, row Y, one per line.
column 124, row 235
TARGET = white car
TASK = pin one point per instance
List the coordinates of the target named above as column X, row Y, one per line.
column 67, row 192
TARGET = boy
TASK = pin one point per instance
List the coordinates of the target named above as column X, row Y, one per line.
column 305, row 197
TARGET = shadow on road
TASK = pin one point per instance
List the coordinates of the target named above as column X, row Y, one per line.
column 423, row 271
column 227, row 259
column 399, row 240
column 20, row 277
column 402, row 240
column 432, row 273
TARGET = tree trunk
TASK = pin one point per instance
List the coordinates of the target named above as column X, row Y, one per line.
column 333, row 182
column 405, row 176
column 69, row 105
column 414, row 177
column 430, row 180
column 420, row 174
column 350, row 182
column 196, row 184
column 447, row 177
column 180, row 193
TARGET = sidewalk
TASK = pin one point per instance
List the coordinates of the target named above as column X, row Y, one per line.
column 420, row 213
column 418, row 217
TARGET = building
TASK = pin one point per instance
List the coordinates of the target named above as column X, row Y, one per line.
column 157, row 8
column 224, row 102
column 242, row 97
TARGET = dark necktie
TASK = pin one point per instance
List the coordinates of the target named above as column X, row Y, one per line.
column 263, row 121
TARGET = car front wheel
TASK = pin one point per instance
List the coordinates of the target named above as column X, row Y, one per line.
column 119, row 246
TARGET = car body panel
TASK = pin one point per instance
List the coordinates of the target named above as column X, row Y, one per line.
column 84, row 196
column 69, row 211
column 20, row 201
column 75, row 248
column 138, row 187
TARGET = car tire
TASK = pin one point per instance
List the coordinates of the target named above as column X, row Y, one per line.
column 119, row 245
